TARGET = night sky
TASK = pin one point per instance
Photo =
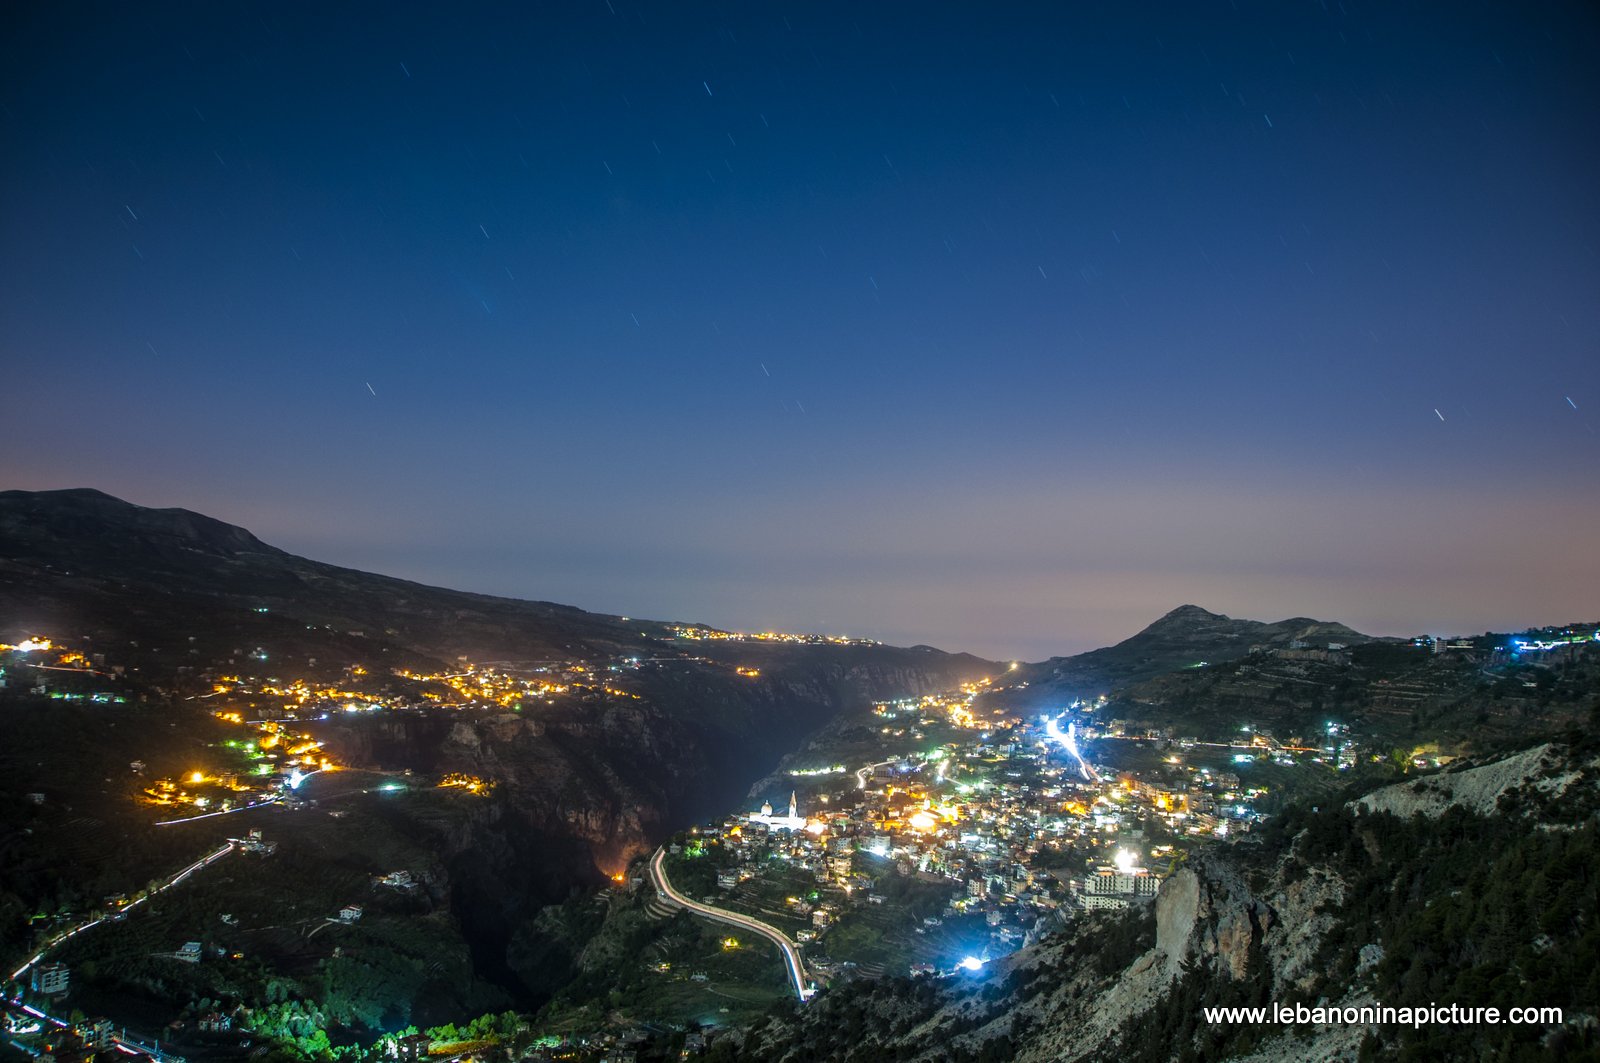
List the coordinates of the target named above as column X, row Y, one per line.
column 1000, row 328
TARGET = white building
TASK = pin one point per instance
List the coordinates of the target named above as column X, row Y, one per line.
column 1115, row 887
column 793, row 821
column 50, row 978
column 1134, row 882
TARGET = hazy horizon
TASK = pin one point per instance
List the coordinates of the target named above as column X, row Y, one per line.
column 1134, row 617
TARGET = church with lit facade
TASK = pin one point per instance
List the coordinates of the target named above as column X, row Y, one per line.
column 793, row 821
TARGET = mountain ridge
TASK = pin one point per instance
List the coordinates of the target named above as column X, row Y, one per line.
column 111, row 539
column 1188, row 636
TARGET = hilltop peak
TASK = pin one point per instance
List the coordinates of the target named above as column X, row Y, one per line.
column 94, row 525
column 1187, row 636
column 1190, row 612
column 73, row 492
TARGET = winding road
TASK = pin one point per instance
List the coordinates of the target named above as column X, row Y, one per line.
column 122, row 1041
column 791, row 954
column 169, row 882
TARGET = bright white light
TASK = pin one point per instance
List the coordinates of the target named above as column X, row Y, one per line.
column 1126, row 860
column 1069, row 742
column 295, row 779
column 970, row 963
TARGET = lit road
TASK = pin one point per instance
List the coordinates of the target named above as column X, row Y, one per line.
column 122, row 1042
column 224, row 812
column 791, row 954
column 171, row 881
column 862, row 773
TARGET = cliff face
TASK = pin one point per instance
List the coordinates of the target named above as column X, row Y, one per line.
column 1206, row 916
column 618, row 774
column 1541, row 773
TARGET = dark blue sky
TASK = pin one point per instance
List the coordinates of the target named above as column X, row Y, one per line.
column 1004, row 330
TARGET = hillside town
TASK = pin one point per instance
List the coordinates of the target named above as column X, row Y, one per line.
column 1017, row 822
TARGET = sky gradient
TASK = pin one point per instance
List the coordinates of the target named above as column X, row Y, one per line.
column 1000, row 330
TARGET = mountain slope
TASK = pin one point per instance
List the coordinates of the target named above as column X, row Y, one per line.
column 175, row 593
column 81, row 556
column 661, row 730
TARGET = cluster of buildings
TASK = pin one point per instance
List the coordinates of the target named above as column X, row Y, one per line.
column 466, row 685
column 45, row 667
column 56, row 1041
column 267, row 766
column 474, row 686
column 701, row 633
column 1005, row 812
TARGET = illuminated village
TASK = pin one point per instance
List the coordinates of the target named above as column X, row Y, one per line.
column 1008, row 816
column 697, row 633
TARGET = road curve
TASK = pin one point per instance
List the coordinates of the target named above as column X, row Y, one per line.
column 791, row 954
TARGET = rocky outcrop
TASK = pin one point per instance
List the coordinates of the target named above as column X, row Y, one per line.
column 1206, row 915
column 1306, row 909
column 1475, row 789
column 1051, row 1002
